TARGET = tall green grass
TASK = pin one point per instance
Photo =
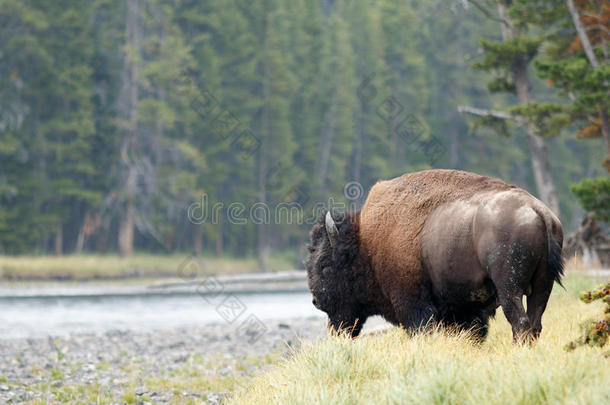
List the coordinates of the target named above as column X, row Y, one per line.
column 441, row 367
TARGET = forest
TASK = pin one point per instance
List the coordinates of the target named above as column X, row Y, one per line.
column 218, row 128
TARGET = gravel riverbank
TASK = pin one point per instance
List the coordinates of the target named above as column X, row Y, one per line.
column 185, row 365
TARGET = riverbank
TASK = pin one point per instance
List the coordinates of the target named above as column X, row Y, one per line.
column 189, row 284
column 139, row 266
column 191, row 365
column 189, row 347
column 209, row 363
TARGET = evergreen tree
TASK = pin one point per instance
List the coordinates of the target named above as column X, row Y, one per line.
column 509, row 60
column 576, row 63
column 116, row 118
column 47, row 167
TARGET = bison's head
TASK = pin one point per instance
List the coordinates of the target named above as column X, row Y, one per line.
column 332, row 255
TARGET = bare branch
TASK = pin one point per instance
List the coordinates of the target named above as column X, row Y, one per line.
column 587, row 14
column 489, row 113
column 488, row 14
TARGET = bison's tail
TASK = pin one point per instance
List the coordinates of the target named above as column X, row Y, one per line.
column 555, row 260
column 554, row 237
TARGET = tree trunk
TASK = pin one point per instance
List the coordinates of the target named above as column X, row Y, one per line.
column 126, row 226
column 197, row 240
column 126, row 230
column 454, row 146
column 219, row 240
column 59, row 240
column 539, row 156
column 586, row 44
column 358, row 147
column 102, row 241
column 590, row 241
column 605, row 124
column 261, row 227
column 80, row 242
column 393, row 143
column 262, row 248
column 326, row 142
column 582, row 34
column 80, row 238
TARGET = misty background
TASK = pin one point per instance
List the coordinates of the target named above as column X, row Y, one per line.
column 117, row 116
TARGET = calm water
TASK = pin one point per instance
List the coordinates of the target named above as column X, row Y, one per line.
column 39, row 317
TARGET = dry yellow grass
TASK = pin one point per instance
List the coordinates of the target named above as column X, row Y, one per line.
column 444, row 368
column 576, row 264
column 87, row 267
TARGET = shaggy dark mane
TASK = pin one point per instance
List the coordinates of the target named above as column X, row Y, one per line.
column 347, row 247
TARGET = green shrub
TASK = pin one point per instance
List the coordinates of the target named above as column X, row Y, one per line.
column 595, row 332
column 594, row 196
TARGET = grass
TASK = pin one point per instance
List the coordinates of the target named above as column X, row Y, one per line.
column 104, row 267
column 438, row 367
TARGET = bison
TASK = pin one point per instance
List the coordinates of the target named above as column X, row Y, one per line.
column 439, row 245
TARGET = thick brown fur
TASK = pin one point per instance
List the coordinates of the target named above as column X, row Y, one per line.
column 379, row 266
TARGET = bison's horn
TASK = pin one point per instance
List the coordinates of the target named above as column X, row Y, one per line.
column 331, row 229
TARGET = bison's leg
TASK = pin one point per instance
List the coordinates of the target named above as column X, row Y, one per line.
column 537, row 300
column 479, row 324
column 512, row 269
column 512, row 305
column 412, row 312
column 479, row 328
column 511, row 280
column 472, row 318
column 351, row 326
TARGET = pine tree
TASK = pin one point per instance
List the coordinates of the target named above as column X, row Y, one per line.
column 509, row 60
column 52, row 116
column 116, row 117
column 271, row 118
column 369, row 160
column 576, row 63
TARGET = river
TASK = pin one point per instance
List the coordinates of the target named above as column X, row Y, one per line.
column 62, row 316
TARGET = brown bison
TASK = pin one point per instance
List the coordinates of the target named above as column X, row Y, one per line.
column 437, row 245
